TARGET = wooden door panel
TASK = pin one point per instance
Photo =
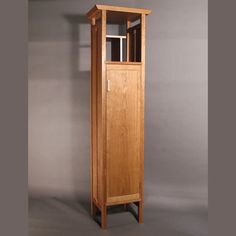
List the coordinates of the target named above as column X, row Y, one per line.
column 123, row 130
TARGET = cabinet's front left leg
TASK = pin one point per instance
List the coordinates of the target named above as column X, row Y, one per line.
column 104, row 217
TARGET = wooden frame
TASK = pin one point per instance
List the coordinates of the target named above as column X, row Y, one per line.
column 94, row 11
column 117, row 117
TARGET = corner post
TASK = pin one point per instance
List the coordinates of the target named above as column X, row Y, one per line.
column 143, row 31
column 103, row 77
column 92, row 113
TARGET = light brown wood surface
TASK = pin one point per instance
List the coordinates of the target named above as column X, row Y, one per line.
column 123, row 62
column 142, row 90
column 123, row 130
column 117, row 117
column 98, row 7
column 128, row 24
column 94, row 112
column 123, row 199
column 99, row 116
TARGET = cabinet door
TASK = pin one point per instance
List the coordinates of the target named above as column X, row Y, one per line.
column 123, row 133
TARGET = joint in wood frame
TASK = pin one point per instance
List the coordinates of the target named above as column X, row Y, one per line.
column 93, row 21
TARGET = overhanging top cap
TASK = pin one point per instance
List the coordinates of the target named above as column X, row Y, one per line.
column 98, row 8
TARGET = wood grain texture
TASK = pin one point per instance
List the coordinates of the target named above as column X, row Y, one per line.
column 142, row 90
column 99, row 116
column 103, row 82
column 98, row 7
column 94, row 180
column 104, row 217
column 92, row 126
column 117, row 118
column 103, row 121
column 140, row 212
column 123, row 130
column 123, row 199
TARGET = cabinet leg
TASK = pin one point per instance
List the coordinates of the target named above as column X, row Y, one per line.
column 104, row 217
column 140, row 212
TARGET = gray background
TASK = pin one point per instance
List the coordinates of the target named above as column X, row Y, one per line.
column 175, row 112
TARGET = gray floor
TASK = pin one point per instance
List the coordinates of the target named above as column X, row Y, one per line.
column 64, row 217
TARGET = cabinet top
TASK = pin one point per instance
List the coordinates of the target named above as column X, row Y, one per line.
column 97, row 8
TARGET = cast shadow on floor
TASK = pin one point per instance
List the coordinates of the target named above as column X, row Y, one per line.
column 61, row 216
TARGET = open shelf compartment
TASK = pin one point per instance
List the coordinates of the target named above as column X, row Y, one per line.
column 123, row 38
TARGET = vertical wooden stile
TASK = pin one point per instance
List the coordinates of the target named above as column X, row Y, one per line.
column 103, row 81
column 128, row 39
column 142, row 90
column 93, row 112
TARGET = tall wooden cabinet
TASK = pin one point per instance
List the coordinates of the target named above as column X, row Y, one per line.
column 117, row 107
